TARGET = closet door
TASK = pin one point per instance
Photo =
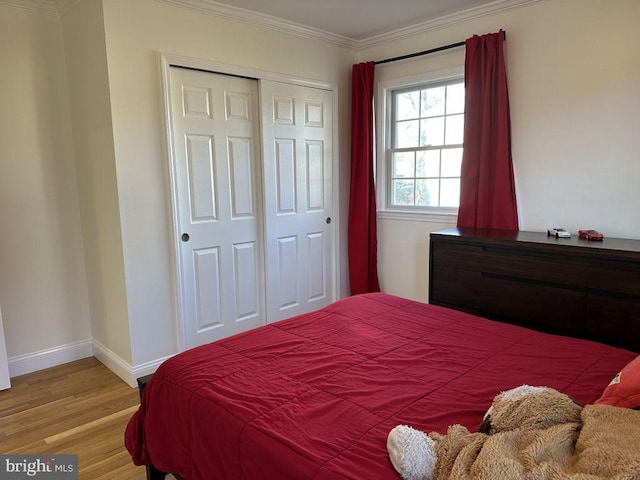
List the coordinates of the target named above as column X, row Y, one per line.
column 297, row 125
column 217, row 202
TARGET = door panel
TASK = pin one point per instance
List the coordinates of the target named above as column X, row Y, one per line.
column 200, row 169
column 206, row 263
column 298, row 153
column 215, row 127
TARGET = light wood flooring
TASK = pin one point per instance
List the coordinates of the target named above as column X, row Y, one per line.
column 78, row 408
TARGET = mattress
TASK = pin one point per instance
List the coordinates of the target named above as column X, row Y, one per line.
column 315, row 396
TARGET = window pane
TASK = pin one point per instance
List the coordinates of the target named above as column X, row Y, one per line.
column 450, row 195
column 407, row 134
column 451, row 162
column 432, row 131
column 402, row 193
column 428, row 163
column 426, row 151
column 433, row 101
column 427, row 193
column 455, row 98
column 455, row 129
column 403, row 165
column 407, row 105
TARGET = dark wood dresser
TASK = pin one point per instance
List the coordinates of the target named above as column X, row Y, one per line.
column 571, row 286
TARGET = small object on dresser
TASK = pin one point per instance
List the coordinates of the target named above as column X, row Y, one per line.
column 558, row 233
column 590, row 234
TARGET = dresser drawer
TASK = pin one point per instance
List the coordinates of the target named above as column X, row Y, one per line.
column 512, row 263
column 616, row 319
column 524, row 265
column 544, row 306
column 619, row 277
column 468, row 257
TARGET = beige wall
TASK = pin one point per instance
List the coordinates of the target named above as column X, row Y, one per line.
column 95, row 163
column 573, row 68
column 136, row 32
column 43, row 289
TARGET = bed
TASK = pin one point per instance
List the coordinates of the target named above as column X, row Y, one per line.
column 315, row 396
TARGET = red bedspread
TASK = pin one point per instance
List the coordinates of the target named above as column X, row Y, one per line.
column 315, row 396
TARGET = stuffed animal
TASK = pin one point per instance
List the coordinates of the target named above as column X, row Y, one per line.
column 527, row 433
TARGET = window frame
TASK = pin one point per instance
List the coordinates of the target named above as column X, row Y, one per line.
column 384, row 145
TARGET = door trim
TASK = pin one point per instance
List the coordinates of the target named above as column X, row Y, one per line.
column 166, row 62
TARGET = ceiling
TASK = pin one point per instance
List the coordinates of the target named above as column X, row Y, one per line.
column 357, row 19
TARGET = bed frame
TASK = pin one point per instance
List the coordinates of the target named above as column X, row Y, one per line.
column 152, row 472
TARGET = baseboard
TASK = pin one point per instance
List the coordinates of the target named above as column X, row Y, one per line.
column 51, row 357
column 128, row 373
column 113, row 362
column 147, row 368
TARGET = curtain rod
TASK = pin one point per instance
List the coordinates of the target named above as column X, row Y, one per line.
column 427, row 52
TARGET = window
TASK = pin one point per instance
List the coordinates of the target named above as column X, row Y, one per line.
column 424, row 155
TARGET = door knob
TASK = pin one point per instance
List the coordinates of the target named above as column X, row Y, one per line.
column 328, row 220
column 184, row 237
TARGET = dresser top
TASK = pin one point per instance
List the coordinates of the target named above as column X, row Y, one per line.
column 608, row 247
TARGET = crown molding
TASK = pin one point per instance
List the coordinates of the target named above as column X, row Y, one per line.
column 47, row 7
column 65, row 6
column 57, row 8
column 210, row 7
column 446, row 21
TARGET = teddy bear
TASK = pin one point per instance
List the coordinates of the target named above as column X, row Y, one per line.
column 527, row 433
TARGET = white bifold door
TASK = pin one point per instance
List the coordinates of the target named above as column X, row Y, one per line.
column 252, row 178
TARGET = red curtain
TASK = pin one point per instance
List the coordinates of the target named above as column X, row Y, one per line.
column 487, row 189
column 363, row 262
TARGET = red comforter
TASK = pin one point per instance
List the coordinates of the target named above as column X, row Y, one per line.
column 314, row 397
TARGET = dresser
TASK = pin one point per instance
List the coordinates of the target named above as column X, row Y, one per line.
column 571, row 286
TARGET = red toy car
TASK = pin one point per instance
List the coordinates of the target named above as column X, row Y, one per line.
column 590, row 234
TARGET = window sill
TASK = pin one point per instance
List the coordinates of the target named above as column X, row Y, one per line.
column 431, row 217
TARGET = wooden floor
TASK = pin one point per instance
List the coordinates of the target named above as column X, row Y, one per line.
column 79, row 408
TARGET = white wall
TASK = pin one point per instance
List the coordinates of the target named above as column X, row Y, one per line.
column 135, row 34
column 95, row 163
column 573, row 68
column 43, row 289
